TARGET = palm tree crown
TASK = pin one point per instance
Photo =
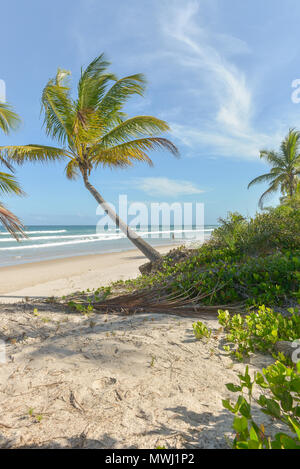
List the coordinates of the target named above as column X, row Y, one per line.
column 285, row 171
column 92, row 130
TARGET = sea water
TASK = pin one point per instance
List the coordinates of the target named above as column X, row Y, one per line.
column 51, row 242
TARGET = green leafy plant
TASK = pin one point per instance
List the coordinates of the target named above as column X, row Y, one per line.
column 259, row 330
column 200, row 330
column 279, row 398
column 81, row 308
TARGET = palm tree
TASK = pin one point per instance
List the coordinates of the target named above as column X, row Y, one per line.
column 92, row 130
column 285, row 171
column 8, row 184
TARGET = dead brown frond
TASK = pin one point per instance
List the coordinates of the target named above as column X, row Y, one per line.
column 156, row 301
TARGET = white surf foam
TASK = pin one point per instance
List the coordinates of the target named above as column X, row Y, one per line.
column 36, row 232
column 48, row 245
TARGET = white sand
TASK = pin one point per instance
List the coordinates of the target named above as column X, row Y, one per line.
column 111, row 381
column 64, row 276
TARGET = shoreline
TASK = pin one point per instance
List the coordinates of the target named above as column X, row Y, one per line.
column 62, row 276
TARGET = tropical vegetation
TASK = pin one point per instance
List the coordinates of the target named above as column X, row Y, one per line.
column 251, row 266
column 246, row 262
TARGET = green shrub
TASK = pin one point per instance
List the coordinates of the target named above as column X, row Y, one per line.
column 279, row 398
column 279, row 228
column 252, row 262
column 200, row 330
column 259, row 330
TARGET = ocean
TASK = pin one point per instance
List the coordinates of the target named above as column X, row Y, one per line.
column 51, row 242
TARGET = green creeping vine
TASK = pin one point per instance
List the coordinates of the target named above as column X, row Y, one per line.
column 279, row 398
column 259, row 330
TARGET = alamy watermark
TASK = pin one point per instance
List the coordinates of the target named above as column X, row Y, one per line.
column 2, row 91
column 160, row 219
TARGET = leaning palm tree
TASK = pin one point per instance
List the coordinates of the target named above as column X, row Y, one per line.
column 9, row 120
column 92, row 130
column 285, row 171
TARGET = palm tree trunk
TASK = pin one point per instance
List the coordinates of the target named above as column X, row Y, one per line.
column 291, row 186
column 140, row 243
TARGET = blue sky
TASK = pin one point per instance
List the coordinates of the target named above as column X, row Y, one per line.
column 219, row 72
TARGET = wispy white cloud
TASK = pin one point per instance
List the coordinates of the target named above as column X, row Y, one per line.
column 160, row 186
column 201, row 140
column 228, row 130
column 228, row 82
column 197, row 80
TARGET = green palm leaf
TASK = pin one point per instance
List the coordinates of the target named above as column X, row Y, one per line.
column 126, row 153
column 115, row 98
column 93, row 83
column 72, row 169
column 134, row 127
column 41, row 153
column 263, row 178
column 9, row 185
column 9, row 120
column 58, row 108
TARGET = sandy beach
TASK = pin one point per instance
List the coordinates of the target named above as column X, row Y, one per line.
column 60, row 277
column 71, row 380
column 112, row 381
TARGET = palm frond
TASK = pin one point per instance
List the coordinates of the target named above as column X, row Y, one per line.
column 9, row 185
column 6, row 163
column 93, row 83
column 135, row 127
column 72, row 169
column 272, row 188
column 12, row 223
column 59, row 108
column 273, row 158
column 290, row 146
column 9, row 120
column 119, row 93
column 263, row 178
column 125, row 153
column 34, row 153
column 96, row 68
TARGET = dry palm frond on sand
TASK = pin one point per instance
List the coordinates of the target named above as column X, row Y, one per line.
column 154, row 301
